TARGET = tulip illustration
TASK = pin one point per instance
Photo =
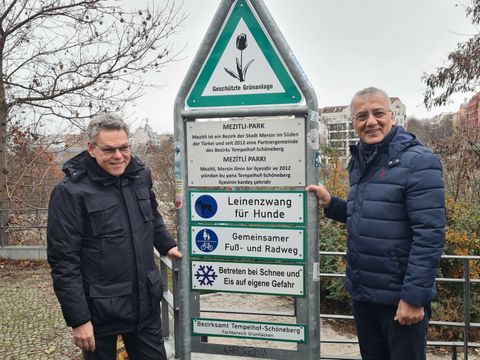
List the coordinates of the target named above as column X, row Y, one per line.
column 241, row 45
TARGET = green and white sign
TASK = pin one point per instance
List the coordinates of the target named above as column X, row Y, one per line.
column 248, row 242
column 244, row 67
column 256, row 278
column 287, row 207
column 249, row 329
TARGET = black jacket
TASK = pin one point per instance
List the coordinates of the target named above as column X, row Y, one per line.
column 101, row 233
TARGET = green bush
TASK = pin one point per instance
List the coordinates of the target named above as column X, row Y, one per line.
column 332, row 238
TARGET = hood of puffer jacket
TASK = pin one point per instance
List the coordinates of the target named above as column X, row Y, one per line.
column 401, row 140
column 83, row 164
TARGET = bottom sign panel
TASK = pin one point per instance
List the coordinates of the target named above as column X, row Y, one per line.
column 257, row 278
column 246, row 329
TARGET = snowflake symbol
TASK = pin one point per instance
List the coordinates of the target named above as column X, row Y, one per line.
column 206, row 275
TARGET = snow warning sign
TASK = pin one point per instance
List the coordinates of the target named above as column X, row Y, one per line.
column 257, row 278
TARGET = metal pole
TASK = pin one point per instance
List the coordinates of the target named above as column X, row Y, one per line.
column 183, row 265
column 176, row 311
column 2, row 229
column 185, row 300
column 466, row 305
column 164, row 313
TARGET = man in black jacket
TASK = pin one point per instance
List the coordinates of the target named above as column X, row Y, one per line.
column 103, row 225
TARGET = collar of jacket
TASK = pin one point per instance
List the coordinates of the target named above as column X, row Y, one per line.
column 83, row 164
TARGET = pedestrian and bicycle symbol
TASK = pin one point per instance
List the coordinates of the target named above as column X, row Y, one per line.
column 206, row 240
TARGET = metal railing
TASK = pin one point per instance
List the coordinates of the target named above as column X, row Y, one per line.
column 466, row 325
column 23, row 227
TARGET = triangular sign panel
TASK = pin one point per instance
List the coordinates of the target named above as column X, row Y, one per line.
column 243, row 67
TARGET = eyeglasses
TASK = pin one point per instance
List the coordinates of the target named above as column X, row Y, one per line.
column 364, row 115
column 107, row 150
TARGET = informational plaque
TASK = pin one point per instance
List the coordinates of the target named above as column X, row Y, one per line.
column 249, row 329
column 257, row 278
column 246, row 153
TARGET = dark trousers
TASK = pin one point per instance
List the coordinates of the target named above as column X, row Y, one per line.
column 382, row 338
column 144, row 344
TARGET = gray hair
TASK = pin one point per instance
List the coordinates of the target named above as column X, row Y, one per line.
column 370, row 91
column 107, row 121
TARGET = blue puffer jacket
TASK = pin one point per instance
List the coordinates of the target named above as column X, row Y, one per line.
column 395, row 217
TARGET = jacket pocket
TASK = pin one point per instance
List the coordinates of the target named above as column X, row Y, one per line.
column 143, row 197
column 155, row 289
column 111, row 302
column 399, row 261
column 104, row 215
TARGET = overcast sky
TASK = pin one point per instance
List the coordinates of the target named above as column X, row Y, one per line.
column 342, row 45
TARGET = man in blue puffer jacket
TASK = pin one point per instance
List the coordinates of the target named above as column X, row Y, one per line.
column 395, row 217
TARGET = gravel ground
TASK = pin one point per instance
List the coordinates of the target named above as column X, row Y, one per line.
column 32, row 326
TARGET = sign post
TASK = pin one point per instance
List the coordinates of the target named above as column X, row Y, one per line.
column 246, row 131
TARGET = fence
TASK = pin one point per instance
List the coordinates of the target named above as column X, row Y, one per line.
column 23, row 227
column 26, row 228
column 466, row 325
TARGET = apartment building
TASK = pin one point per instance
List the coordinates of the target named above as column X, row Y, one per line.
column 145, row 135
column 472, row 112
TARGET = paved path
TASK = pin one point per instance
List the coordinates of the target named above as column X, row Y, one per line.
column 31, row 325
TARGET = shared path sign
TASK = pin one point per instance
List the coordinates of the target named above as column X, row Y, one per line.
column 248, row 242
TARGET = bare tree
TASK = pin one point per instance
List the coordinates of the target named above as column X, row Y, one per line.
column 460, row 156
column 462, row 71
column 70, row 59
column 421, row 128
column 161, row 161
